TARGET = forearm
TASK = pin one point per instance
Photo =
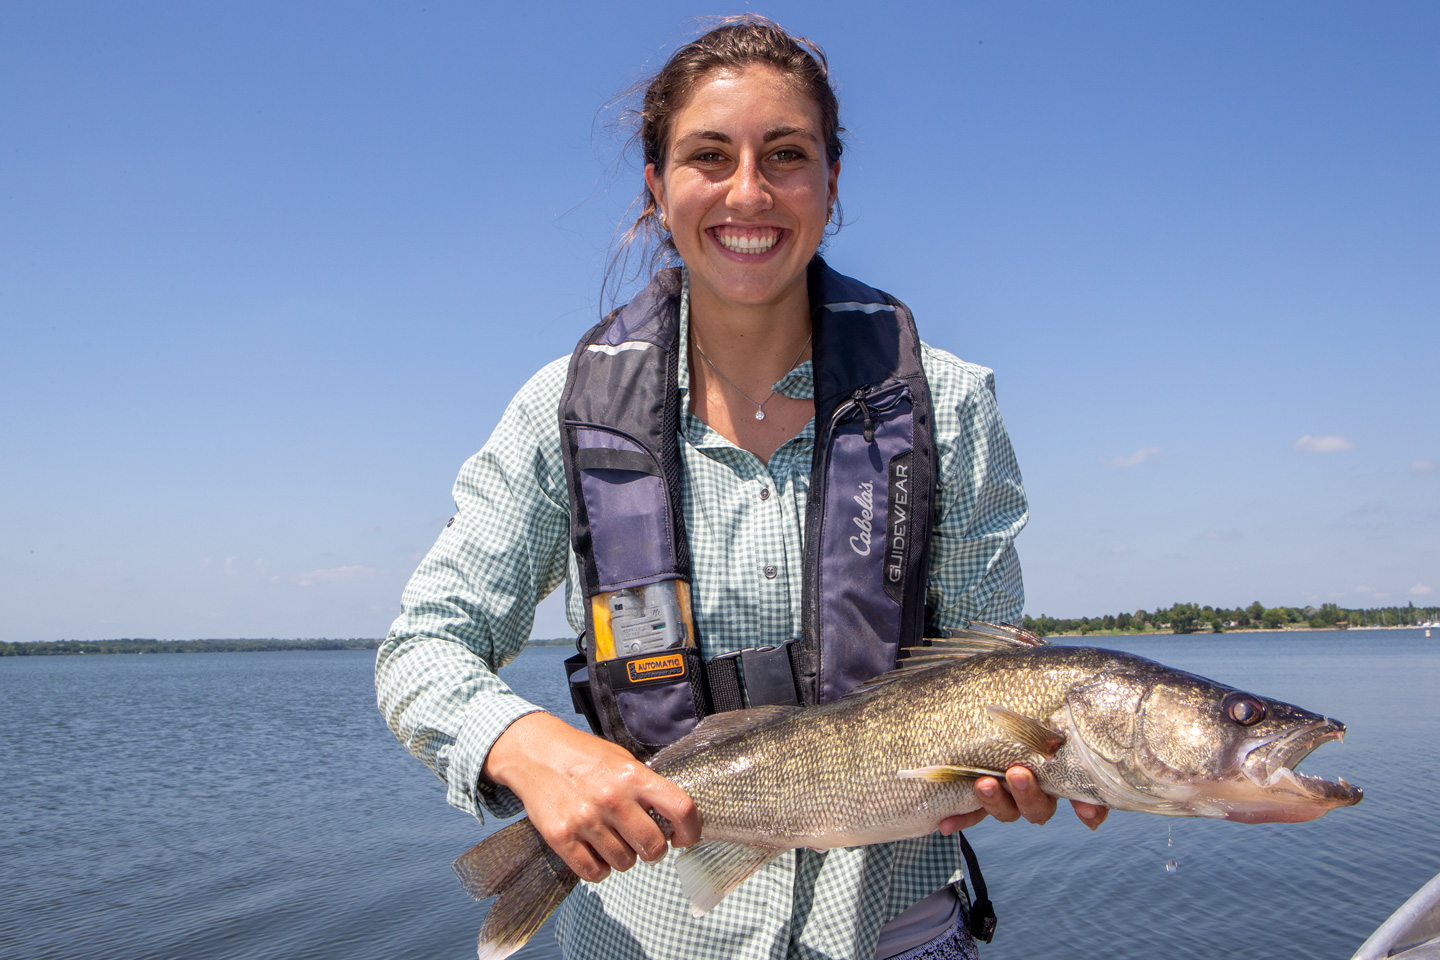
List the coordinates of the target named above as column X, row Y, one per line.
column 468, row 609
column 447, row 707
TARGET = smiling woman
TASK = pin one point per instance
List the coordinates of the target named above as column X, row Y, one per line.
column 745, row 190
column 770, row 488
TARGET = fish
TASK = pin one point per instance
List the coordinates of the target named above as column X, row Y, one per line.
column 902, row 752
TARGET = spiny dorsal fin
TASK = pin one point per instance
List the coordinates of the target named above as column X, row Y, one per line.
column 981, row 637
column 1030, row 733
column 944, row 773
column 717, row 728
column 977, row 638
column 710, row 869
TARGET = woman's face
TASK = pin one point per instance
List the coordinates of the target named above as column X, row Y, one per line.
column 745, row 186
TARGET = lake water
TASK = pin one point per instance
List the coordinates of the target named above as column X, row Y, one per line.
column 254, row 806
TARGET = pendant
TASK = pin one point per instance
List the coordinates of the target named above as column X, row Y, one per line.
column 759, row 413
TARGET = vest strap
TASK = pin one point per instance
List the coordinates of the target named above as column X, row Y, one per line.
column 769, row 678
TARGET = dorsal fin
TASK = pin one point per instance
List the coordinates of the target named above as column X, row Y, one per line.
column 977, row 638
column 717, row 728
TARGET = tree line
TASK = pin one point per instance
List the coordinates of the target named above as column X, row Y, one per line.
column 129, row 645
column 1192, row 618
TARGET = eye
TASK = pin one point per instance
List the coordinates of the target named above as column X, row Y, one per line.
column 788, row 155
column 1243, row 709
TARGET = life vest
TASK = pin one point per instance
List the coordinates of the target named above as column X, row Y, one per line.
column 867, row 525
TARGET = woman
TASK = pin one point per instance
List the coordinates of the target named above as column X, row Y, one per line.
column 742, row 163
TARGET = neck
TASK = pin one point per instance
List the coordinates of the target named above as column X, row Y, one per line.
column 753, row 345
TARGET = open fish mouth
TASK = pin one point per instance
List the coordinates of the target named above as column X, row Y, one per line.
column 1272, row 765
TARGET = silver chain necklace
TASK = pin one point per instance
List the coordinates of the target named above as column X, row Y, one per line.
column 759, row 405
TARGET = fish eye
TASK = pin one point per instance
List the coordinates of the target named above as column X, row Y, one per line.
column 1243, row 709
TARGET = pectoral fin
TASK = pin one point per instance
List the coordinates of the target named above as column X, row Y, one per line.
column 1030, row 733
column 944, row 774
column 710, row 869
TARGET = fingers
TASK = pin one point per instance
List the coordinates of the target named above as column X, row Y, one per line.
column 1035, row 804
column 589, row 799
column 1090, row 814
column 675, row 805
column 1020, row 796
column 963, row 821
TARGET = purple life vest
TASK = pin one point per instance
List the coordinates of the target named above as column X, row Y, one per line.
column 868, row 518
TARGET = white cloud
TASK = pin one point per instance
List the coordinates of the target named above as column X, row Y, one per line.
column 1420, row 590
column 347, row 574
column 1327, row 444
column 1424, row 466
column 1134, row 459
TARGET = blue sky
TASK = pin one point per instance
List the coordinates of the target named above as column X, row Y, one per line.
column 270, row 271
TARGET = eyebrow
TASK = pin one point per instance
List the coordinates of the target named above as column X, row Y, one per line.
column 774, row 133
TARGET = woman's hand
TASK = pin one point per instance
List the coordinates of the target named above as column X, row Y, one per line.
column 1019, row 796
column 589, row 798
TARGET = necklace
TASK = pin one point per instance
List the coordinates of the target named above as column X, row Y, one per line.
column 759, row 404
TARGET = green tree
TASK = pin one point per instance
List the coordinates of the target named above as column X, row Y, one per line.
column 1274, row 618
column 1184, row 618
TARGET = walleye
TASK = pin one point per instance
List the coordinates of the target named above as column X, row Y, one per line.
column 896, row 756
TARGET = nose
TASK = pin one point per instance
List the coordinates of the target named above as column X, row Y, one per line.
column 749, row 193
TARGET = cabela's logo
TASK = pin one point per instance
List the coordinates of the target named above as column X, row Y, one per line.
column 860, row 542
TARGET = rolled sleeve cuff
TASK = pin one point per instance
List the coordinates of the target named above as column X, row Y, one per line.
column 466, row 788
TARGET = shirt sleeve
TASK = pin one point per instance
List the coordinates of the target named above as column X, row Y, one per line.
column 469, row 607
column 974, row 569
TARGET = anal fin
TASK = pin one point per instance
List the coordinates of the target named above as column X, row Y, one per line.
column 710, row 869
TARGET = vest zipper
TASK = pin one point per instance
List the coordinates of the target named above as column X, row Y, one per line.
column 868, row 405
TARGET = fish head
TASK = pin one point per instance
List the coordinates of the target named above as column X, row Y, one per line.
column 1169, row 742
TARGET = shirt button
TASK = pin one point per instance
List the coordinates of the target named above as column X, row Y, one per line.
column 770, row 571
column 764, row 493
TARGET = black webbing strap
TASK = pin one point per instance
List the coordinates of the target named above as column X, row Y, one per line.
column 723, row 677
column 768, row 676
column 981, row 915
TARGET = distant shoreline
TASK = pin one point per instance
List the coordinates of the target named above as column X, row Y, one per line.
column 54, row 648
column 1200, row 633
column 75, row 648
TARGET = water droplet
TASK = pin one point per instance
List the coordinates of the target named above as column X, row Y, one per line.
column 1171, row 866
column 1169, row 840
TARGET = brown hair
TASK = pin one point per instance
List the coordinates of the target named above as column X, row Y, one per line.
column 737, row 42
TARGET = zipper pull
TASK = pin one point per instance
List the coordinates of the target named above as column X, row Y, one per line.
column 859, row 397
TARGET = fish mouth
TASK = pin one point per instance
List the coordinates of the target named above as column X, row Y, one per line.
column 1271, row 765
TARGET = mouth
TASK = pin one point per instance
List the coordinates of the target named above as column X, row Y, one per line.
column 747, row 241
column 1272, row 765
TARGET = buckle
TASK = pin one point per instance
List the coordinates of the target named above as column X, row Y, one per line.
column 768, row 676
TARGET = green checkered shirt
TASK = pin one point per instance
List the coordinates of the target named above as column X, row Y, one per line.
column 469, row 608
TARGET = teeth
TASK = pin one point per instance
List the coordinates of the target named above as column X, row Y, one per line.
column 740, row 243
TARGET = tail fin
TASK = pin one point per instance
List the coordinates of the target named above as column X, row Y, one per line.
column 530, row 879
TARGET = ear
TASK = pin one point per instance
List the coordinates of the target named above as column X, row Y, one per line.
column 656, row 186
column 832, row 186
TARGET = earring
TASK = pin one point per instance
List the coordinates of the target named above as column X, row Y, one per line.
column 828, row 215
column 664, row 224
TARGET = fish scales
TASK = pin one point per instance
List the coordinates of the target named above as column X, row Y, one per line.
column 825, row 784
column 893, row 759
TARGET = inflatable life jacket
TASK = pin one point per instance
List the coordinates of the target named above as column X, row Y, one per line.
column 863, row 596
